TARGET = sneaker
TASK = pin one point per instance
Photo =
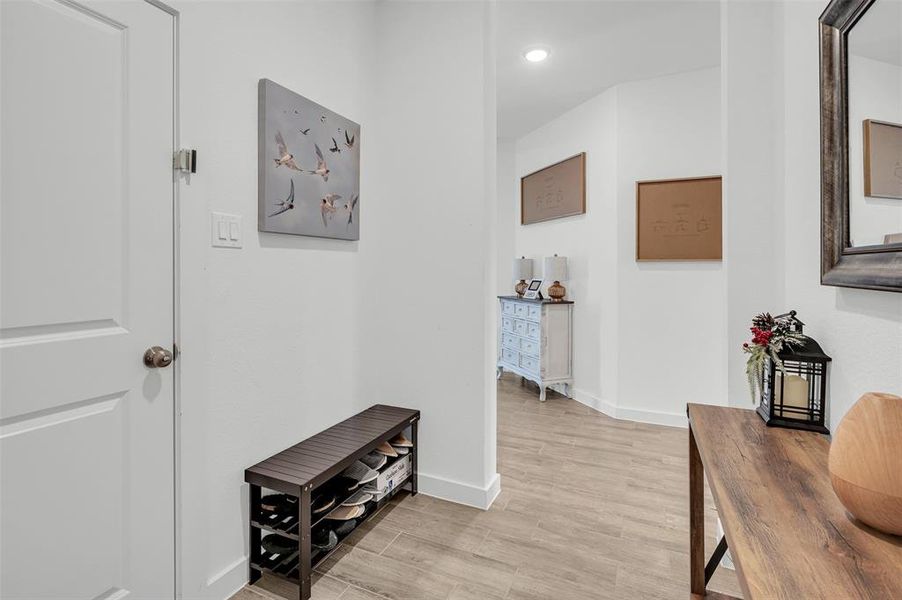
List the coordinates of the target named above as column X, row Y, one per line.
column 343, row 513
column 276, row 503
column 360, row 473
column 322, row 503
column 374, row 460
column 386, row 449
column 345, row 527
column 324, row 539
column 360, row 497
column 342, row 484
column 278, row 544
column 401, row 450
column 401, row 440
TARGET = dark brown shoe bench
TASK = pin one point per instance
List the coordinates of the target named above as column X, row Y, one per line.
column 301, row 469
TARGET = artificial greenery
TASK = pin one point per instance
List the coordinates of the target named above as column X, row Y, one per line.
column 769, row 336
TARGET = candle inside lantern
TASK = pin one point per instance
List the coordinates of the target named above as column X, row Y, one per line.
column 794, row 392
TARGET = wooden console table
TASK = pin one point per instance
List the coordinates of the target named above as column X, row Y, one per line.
column 787, row 532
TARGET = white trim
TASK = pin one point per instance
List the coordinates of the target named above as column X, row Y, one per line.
column 611, row 409
column 459, row 492
column 176, row 307
column 653, row 417
column 228, row 581
column 493, row 490
column 602, row 406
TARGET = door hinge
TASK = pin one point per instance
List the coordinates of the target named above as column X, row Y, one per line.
column 185, row 160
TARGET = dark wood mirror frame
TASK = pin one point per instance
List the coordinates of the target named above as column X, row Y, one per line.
column 870, row 267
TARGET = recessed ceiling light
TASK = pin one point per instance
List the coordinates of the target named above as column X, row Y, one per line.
column 536, row 54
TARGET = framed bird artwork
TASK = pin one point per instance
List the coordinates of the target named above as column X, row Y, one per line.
column 308, row 167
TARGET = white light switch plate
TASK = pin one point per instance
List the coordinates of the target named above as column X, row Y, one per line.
column 225, row 230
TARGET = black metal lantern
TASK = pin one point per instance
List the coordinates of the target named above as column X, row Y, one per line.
column 796, row 396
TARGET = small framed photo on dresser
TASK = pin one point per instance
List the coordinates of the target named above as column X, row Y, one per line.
column 534, row 290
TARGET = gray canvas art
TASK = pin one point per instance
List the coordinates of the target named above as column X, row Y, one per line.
column 309, row 167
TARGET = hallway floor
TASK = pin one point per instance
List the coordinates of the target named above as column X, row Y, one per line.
column 592, row 508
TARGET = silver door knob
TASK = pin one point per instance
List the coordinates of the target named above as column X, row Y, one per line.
column 157, row 357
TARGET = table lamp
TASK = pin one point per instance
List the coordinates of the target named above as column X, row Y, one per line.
column 556, row 270
column 522, row 271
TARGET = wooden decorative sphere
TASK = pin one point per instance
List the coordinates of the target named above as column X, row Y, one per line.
column 866, row 461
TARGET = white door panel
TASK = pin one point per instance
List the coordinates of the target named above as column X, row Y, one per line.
column 86, row 285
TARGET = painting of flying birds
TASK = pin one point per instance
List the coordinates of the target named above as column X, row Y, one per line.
column 302, row 189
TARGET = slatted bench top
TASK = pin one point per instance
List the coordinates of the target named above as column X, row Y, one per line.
column 323, row 456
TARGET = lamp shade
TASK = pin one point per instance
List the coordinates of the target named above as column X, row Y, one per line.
column 555, row 268
column 522, row 268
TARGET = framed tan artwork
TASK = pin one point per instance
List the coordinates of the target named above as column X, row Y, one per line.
column 882, row 159
column 679, row 219
column 554, row 192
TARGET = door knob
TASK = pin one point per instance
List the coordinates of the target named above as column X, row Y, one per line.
column 157, row 357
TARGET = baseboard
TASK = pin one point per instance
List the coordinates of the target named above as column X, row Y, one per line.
column 602, row 406
column 630, row 414
column 653, row 417
column 459, row 492
column 226, row 583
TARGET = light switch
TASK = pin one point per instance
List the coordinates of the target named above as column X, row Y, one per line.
column 225, row 230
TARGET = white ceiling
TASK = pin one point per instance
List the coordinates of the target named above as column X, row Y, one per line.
column 594, row 45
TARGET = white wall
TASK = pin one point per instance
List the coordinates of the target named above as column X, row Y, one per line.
column 771, row 165
column 268, row 331
column 506, row 188
column 860, row 329
column 670, row 337
column 648, row 337
column 424, row 261
column 588, row 241
column 751, row 42
column 291, row 334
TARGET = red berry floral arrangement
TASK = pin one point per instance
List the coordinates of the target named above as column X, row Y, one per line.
column 769, row 335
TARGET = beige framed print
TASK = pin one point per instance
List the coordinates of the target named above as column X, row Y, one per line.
column 882, row 159
column 556, row 191
column 679, row 219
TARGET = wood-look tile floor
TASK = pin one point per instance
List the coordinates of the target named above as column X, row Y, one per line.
column 590, row 508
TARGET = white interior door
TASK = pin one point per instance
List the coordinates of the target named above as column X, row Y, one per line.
column 86, row 285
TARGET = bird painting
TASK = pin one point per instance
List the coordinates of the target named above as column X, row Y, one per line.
column 309, row 159
column 286, row 158
column 350, row 206
column 321, row 169
column 286, row 204
column 328, row 207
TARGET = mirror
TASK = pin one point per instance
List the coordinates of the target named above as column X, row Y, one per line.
column 875, row 126
column 861, row 144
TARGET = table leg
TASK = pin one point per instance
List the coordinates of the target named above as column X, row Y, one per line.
column 696, row 519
